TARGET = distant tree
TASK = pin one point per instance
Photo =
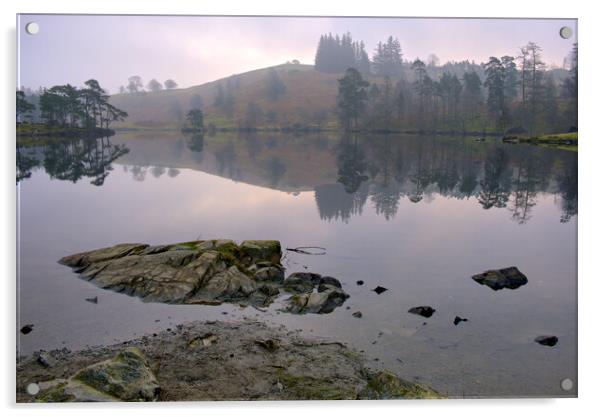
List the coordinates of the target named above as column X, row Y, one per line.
column 154, row 86
column 23, row 106
column 170, row 84
column 335, row 54
column 570, row 88
column 295, row 62
column 387, row 58
column 122, row 90
column 433, row 60
column 271, row 117
column 220, row 96
column 195, row 118
column 275, row 86
column 351, row 97
column 134, row 84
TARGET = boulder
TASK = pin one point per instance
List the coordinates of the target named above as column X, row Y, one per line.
column 205, row 272
column 384, row 385
column 424, row 311
column 126, row 377
column 497, row 279
column 301, row 282
column 547, row 340
column 316, row 302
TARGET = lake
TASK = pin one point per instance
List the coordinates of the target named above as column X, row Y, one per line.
column 418, row 215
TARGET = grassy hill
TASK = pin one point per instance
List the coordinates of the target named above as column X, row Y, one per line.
column 307, row 92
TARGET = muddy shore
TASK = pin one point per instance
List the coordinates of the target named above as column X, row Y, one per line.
column 216, row 360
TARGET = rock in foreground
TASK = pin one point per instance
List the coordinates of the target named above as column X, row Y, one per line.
column 497, row 279
column 126, row 377
column 207, row 272
column 243, row 361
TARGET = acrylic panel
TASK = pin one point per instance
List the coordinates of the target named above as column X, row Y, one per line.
column 295, row 208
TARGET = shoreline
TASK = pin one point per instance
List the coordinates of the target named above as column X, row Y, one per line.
column 218, row 360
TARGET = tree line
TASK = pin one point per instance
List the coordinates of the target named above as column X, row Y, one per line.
column 517, row 95
column 70, row 106
column 135, row 85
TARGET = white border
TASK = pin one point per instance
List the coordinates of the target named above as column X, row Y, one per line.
column 589, row 199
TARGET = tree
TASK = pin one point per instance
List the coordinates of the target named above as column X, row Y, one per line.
column 195, row 118
column 496, row 103
column 170, row 84
column 275, row 86
column 351, row 98
column 387, row 58
column 134, row 84
column 154, row 85
column 472, row 95
column 422, row 86
column 570, row 89
column 23, row 106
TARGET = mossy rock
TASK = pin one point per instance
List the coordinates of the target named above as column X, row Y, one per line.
column 383, row 385
column 303, row 387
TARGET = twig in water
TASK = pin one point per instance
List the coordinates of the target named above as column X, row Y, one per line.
column 308, row 250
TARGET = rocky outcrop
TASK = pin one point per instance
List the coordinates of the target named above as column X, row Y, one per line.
column 198, row 361
column 126, row 377
column 207, row 272
column 497, row 279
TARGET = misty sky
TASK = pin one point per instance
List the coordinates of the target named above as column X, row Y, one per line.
column 194, row 50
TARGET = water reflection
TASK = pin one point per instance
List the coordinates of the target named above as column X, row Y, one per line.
column 71, row 159
column 345, row 173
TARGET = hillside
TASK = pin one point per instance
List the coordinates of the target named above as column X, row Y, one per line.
column 307, row 92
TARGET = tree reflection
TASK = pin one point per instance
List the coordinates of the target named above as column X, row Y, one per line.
column 73, row 159
column 26, row 162
column 351, row 163
column 496, row 181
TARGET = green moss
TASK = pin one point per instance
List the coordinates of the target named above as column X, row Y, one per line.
column 56, row 394
column 189, row 245
column 384, row 385
column 302, row 387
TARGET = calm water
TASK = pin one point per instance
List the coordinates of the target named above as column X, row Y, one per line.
column 417, row 215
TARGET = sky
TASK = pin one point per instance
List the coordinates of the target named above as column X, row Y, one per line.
column 193, row 49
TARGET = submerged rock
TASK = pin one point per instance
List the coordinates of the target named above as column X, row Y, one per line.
column 126, row 377
column 329, row 294
column 206, row 272
column 28, row 328
column 357, row 315
column 424, row 311
column 547, row 340
column 458, row 320
column 379, row 290
column 497, row 279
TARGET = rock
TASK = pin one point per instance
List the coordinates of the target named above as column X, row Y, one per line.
column 385, row 385
column 328, row 283
column 360, row 282
column 547, row 340
column 271, row 345
column 316, row 302
column 45, row 359
column 301, row 282
column 497, row 279
column 253, row 251
column 458, row 319
column 207, row 272
column 206, row 340
column 93, row 300
column 270, row 273
column 424, row 311
column 126, row 377
column 357, row 314
column 28, row 328
column 379, row 290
